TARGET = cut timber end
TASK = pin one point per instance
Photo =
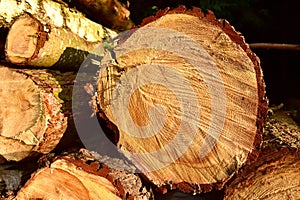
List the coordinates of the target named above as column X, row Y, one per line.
column 275, row 176
column 80, row 176
column 37, row 43
column 23, row 39
column 30, row 117
column 65, row 180
column 188, row 98
column 21, row 105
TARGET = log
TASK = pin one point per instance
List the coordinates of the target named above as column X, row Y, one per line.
column 110, row 13
column 48, row 34
column 184, row 98
column 31, row 119
column 80, row 176
column 55, row 13
column 274, row 175
column 30, row 42
column 281, row 129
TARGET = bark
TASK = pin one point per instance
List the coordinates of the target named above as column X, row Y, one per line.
column 80, row 176
column 32, row 120
column 282, row 130
column 201, row 125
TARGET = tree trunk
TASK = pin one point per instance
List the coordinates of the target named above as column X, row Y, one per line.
column 185, row 98
column 80, row 176
column 31, row 119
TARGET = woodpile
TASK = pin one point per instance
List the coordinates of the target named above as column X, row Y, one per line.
column 180, row 98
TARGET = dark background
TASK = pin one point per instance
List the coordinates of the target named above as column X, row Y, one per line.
column 259, row 21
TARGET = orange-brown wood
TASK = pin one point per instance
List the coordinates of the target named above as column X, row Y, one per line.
column 187, row 97
column 273, row 176
column 80, row 176
column 31, row 119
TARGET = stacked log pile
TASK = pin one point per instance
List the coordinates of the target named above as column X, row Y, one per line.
column 181, row 99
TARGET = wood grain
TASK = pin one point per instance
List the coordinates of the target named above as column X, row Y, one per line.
column 187, row 97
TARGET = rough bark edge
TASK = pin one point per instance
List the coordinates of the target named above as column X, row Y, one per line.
column 262, row 99
column 93, row 168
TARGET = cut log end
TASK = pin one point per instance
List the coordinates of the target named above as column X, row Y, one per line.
column 22, row 100
column 23, row 38
column 55, row 183
column 21, row 118
column 39, row 43
column 188, row 98
column 273, row 176
column 79, row 176
column 30, row 118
